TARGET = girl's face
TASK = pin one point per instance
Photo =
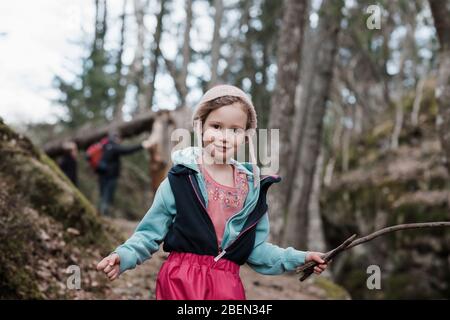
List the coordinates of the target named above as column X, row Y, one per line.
column 224, row 132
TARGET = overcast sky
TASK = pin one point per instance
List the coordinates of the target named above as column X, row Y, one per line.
column 38, row 39
column 33, row 46
column 41, row 38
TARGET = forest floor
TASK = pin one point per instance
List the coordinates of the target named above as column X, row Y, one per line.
column 140, row 283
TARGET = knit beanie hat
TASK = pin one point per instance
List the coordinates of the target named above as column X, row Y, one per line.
column 229, row 90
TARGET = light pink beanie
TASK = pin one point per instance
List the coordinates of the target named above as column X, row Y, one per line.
column 228, row 90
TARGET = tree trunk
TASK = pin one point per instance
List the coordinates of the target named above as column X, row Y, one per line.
column 215, row 48
column 335, row 143
column 186, row 52
column 398, row 125
column 441, row 14
column 282, row 110
column 159, row 162
column 408, row 45
column 297, row 219
column 121, row 86
column 156, row 52
column 417, row 101
column 137, row 65
column 302, row 101
column 179, row 76
column 101, row 14
column 346, row 137
column 316, row 237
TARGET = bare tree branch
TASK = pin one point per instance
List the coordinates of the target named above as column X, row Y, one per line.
column 308, row 268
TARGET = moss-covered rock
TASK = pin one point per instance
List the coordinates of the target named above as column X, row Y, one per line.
column 46, row 225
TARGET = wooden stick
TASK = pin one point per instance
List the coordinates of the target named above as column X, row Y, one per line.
column 308, row 268
column 398, row 227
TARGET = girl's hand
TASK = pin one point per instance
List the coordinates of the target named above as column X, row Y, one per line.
column 110, row 266
column 317, row 257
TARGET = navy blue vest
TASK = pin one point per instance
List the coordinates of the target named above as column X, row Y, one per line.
column 193, row 231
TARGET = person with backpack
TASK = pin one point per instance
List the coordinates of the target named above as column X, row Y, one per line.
column 104, row 158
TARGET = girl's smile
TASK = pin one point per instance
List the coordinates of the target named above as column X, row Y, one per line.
column 223, row 149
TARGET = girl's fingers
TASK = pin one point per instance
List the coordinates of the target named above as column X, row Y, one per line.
column 108, row 268
column 320, row 267
column 114, row 277
column 102, row 264
column 321, row 264
column 318, row 259
column 112, row 272
column 108, row 261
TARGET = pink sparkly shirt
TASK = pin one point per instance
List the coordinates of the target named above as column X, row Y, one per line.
column 224, row 201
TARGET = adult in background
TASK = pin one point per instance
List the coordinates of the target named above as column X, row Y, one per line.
column 109, row 168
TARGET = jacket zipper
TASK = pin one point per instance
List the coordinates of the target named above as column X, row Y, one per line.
column 239, row 235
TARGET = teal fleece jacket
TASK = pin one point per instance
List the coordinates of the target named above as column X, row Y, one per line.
column 265, row 258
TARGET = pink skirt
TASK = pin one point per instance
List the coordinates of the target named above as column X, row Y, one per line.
column 189, row 276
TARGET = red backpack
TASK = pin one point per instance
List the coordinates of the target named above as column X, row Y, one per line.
column 95, row 152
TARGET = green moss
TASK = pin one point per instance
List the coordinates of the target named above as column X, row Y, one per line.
column 49, row 191
column 15, row 237
column 332, row 290
column 36, row 198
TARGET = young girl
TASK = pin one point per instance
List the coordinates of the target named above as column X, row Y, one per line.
column 210, row 212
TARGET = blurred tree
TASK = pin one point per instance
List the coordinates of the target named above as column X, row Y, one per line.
column 155, row 54
column 121, row 80
column 296, row 232
column 178, row 69
column 142, row 75
column 216, row 42
column 249, row 52
column 441, row 15
column 91, row 95
column 282, row 110
column 137, row 69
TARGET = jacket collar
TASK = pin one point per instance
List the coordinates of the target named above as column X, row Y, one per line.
column 188, row 158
